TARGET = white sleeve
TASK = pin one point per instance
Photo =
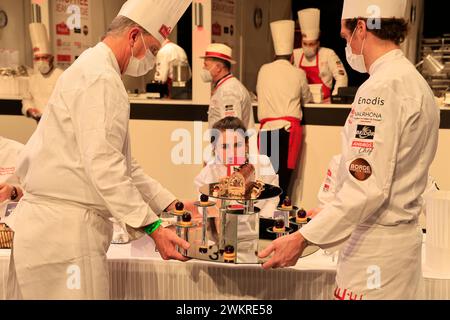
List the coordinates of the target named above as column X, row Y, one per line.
column 100, row 118
column 27, row 100
column 162, row 67
column 364, row 180
column 327, row 190
column 338, row 70
column 306, row 94
column 151, row 190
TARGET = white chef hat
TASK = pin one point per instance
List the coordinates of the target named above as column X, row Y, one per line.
column 39, row 39
column 309, row 20
column 283, row 36
column 374, row 9
column 158, row 17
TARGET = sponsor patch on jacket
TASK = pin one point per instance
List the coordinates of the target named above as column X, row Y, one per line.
column 375, row 101
column 368, row 116
column 362, row 144
column 326, row 187
column 360, row 169
column 365, row 132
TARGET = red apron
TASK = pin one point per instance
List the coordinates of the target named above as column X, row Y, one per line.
column 313, row 76
column 295, row 138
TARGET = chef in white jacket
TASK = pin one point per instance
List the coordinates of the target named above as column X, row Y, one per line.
column 229, row 98
column 77, row 168
column 43, row 80
column 321, row 64
column 382, row 174
column 282, row 89
column 169, row 54
column 10, row 189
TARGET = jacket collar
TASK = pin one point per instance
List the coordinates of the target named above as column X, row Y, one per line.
column 107, row 50
column 387, row 57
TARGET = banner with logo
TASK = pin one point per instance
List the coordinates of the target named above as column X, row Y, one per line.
column 71, row 32
column 223, row 22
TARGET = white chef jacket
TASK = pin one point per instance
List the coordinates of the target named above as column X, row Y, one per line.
column 78, row 172
column 281, row 89
column 330, row 66
column 388, row 144
column 9, row 153
column 264, row 171
column 398, row 106
column 166, row 57
column 230, row 99
column 40, row 88
column 327, row 190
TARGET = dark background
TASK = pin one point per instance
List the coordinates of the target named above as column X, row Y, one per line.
column 436, row 24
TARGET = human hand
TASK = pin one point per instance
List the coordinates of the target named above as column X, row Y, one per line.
column 313, row 212
column 166, row 241
column 286, row 251
column 5, row 191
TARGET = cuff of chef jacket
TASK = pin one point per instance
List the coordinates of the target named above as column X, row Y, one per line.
column 316, row 234
column 161, row 201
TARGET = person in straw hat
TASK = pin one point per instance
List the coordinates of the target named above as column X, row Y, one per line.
column 388, row 144
column 321, row 64
column 77, row 169
column 229, row 98
column 43, row 80
column 282, row 89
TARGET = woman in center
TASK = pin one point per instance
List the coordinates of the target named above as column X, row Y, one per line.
column 230, row 149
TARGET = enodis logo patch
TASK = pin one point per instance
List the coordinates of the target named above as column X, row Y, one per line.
column 360, row 169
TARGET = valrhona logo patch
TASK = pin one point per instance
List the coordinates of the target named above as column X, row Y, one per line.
column 360, row 169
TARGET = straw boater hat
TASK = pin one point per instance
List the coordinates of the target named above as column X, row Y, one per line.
column 219, row 51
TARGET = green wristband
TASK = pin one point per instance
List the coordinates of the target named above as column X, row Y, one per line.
column 152, row 227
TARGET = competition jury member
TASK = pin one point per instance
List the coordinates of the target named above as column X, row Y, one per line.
column 45, row 74
column 321, row 64
column 77, row 169
column 229, row 97
column 381, row 177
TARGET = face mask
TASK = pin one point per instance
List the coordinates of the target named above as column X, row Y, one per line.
column 139, row 67
column 43, row 67
column 206, row 75
column 356, row 61
column 309, row 52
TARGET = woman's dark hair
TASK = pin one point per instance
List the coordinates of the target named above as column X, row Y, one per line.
column 229, row 123
column 391, row 29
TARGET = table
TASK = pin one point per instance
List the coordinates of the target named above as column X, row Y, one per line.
column 152, row 278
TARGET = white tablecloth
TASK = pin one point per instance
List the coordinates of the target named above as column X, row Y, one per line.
column 152, row 278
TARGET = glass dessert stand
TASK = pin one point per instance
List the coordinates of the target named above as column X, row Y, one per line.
column 228, row 229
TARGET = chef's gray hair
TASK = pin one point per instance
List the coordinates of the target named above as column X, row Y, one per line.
column 121, row 24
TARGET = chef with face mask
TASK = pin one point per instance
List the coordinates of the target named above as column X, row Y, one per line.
column 388, row 144
column 321, row 65
column 45, row 74
column 77, row 169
